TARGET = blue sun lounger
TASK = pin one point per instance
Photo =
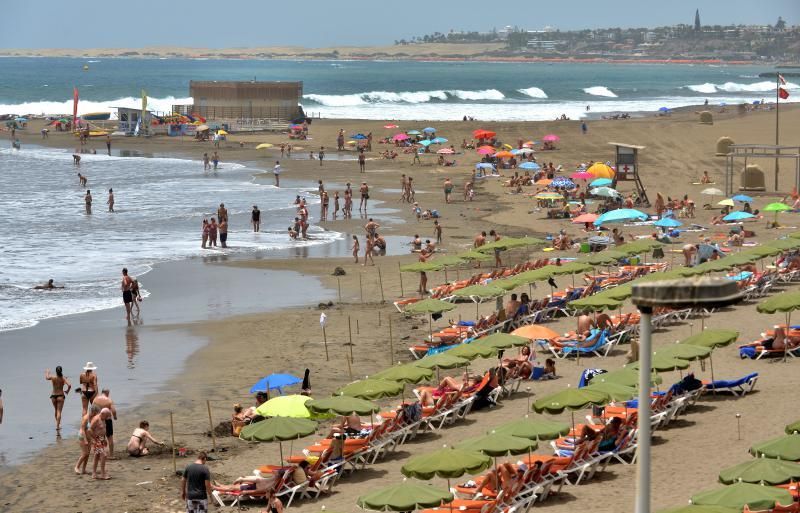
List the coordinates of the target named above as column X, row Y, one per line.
column 738, row 387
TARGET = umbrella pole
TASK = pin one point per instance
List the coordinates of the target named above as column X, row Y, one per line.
column 430, row 327
column 788, row 323
column 280, row 448
column 477, row 313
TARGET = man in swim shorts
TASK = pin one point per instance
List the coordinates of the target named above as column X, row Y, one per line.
column 127, row 294
column 103, row 401
column 99, row 443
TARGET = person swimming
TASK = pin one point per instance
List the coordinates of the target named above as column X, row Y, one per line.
column 48, row 286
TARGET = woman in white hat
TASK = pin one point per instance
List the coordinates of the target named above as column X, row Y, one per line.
column 88, row 382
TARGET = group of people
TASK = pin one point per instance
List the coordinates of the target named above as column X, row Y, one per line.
column 213, row 229
column 374, row 243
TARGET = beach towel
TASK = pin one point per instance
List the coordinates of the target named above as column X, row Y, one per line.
column 747, row 352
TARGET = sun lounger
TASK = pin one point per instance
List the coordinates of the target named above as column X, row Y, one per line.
column 738, row 387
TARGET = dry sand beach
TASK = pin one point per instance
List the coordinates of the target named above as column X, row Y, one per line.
column 241, row 349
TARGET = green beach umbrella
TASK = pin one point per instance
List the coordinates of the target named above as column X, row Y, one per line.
column 502, row 341
column 419, row 267
column 684, row 352
column 761, row 471
column 510, row 243
column 429, row 306
column 615, row 391
column 604, row 257
column 739, row 495
column 700, row 509
column 661, row 363
column 286, row 406
column 539, row 429
column 777, row 208
column 784, row 244
column 499, row 444
column 372, row 389
column 406, row 496
column 793, row 428
column 407, row 373
column 783, row 448
column 625, row 376
column 278, row 429
column 785, row 302
column 446, row 463
column 343, row 405
column 472, row 351
column 474, row 256
column 711, row 338
column 507, row 284
column 571, row 268
column 597, row 302
column 448, row 260
column 572, row 399
column 620, row 293
column 441, row 361
column 482, row 292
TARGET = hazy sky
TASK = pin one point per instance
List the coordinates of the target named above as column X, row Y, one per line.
column 216, row 23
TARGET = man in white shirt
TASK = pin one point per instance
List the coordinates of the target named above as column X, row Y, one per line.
column 277, row 172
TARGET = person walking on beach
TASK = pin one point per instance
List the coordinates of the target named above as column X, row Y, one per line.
column 205, row 233
column 255, row 218
column 356, row 247
column 223, row 233
column 215, row 160
column 222, row 213
column 497, row 261
column 364, row 189
column 108, row 144
column 362, row 161
column 283, row 150
column 403, row 188
column 88, row 382
column 368, row 249
column 110, row 201
column 196, row 485
column 289, row 150
column 137, row 295
column 437, row 231
column 371, row 228
column 335, row 203
column 103, row 401
column 448, row 189
column 87, row 199
column 324, row 202
column 584, row 128
column 127, row 293
column 83, row 441
column 99, row 446
column 58, row 394
column 348, row 201
column 411, row 192
column 206, row 162
column 277, row 172
column 321, row 154
column 212, row 232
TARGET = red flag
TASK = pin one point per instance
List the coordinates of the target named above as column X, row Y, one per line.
column 783, row 93
column 74, row 106
column 781, row 79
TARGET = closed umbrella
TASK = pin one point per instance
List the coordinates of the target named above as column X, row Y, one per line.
column 372, row 389
column 739, row 495
column 784, row 448
column 621, row 215
column 342, row 405
column 761, row 471
column 406, row 496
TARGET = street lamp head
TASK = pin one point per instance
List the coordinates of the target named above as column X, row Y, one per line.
column 691, row 292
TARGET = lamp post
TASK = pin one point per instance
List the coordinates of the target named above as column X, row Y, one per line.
column 706, row 292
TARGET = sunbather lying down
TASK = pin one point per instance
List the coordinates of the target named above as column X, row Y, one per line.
column 448, row 385
column 255, row 483
column 348, row 425
column 779, row 341
column 584, row 339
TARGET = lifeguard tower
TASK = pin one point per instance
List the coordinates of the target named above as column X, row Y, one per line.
column 627, row 169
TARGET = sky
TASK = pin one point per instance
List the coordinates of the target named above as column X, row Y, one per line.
column 318, row 23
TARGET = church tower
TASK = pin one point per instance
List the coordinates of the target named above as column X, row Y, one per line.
column 697, row 20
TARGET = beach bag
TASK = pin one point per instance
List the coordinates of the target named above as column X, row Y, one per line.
column 412, row 412
column 747, row 352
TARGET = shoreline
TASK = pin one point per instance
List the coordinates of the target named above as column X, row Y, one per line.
column 243, row 348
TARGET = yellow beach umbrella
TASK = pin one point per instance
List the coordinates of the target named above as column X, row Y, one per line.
column 222, row 132
column 285, row 406
column 263, row 146
column 726, row 203
column 600, row 170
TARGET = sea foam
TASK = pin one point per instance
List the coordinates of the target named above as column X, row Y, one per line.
column 600, row 91
column 533, row 92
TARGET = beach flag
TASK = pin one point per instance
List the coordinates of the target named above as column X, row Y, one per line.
column 74, row 106
column 781, row 79
column 783, row 93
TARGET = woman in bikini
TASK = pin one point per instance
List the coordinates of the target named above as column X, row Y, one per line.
column 88, row 382
column 59, row 394
column 137, row 445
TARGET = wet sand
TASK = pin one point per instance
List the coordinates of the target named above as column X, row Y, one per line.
column 243, row 348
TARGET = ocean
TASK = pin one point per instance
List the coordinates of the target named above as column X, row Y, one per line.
column 391, row 90
column 160, row 204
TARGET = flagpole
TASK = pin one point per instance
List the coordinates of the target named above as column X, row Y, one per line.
column 777, row 124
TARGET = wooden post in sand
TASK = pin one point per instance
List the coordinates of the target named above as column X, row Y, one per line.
column 358, row 328
column 339, row 284
column 391, row 343
column 172, row 434
column 401, row 279
column 350, row 331
column 380, row 283
column 211, row 427
column 361, row 287
column 325, row 342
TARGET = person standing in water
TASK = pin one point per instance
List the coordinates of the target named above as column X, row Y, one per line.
column 255, row 218
column 58, row 395
column 127, row 293
column 87, row 199
column 277, row 172
column 223, row 232
column 88, row 382
column 212, row 233
column 110, row 200
column 108, row 144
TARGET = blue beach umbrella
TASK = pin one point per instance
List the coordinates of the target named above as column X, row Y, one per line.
column 413, row 132
column 601, row 182
column 438, row 140
column 737, row 216
column 742, row 198
column 274, row 381
column 562, row 181
column 620, row 216
column 664, row 109
column 358, row 136
column 429, row 130
column 426, row 143
column 668, row 222
column 532, row 166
